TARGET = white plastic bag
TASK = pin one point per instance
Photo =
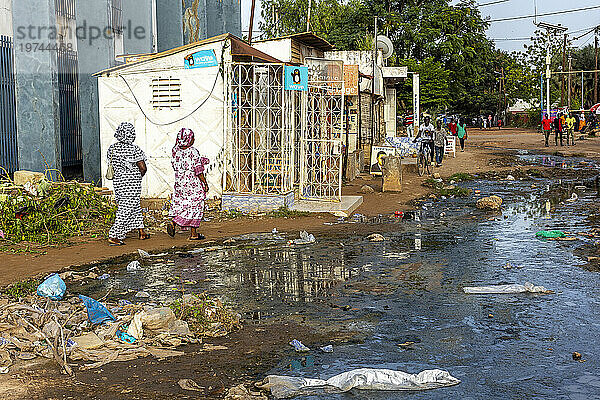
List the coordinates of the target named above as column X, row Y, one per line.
column 528, row 287
column 364, row 379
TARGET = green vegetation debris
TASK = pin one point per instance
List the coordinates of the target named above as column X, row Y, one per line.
column 205, row 315
column 461, row 177
column 284, row 212
column 21, row 289
column 54, row 214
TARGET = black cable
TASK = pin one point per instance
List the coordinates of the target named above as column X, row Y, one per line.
column 491, row 3
column 182, row 118
column 544, row 14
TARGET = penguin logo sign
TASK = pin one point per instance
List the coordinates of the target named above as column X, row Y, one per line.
column 296, row 78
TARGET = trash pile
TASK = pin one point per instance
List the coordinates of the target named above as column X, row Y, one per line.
column 67, row 328
column 47, row 212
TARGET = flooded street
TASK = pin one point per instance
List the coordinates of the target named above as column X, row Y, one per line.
column 381, row 296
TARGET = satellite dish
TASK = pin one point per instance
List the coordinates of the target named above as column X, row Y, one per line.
column 385, row 45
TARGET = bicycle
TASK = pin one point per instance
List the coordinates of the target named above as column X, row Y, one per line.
column 424, row 158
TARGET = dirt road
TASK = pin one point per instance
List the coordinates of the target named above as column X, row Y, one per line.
column 486, row 150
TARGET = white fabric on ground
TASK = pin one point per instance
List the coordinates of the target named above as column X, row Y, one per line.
column 364, row 379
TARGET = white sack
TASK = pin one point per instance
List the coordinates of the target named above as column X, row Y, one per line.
column 364, row 379
column 528, row 287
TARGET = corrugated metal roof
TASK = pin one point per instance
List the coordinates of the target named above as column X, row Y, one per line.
column 307, row 38
column 239, row 48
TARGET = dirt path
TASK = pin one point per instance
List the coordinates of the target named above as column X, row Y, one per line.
column 486, row 150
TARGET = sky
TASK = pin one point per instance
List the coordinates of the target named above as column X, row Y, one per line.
column 577, row 22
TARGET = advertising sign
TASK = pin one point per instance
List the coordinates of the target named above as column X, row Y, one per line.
column 351, row 80
column 201, row 59
column 395, row 72
column 296, row 78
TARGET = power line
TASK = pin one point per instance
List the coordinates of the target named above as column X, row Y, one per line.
column 491, row 3
column 510, row 39
column 544, row 14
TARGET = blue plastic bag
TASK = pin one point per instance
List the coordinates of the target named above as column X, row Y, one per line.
column 97, row 313
column 53, row 287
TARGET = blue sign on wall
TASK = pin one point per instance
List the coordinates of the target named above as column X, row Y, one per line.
column 296, row 78
column 201, row 59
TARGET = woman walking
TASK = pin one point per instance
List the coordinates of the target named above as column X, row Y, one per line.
column 187, row 208
column 461, row 132
column 129, row 165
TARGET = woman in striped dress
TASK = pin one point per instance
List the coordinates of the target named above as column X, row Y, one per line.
column 129, row 164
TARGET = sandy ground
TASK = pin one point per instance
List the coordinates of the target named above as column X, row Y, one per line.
column 255, row 347
column 486, row 150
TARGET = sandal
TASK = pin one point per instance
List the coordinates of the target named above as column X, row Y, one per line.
column 199, row 237
column 171, row 229
column 115, row 242
column 144, row 236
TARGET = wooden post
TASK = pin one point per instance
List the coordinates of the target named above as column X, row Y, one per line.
column 251, row 22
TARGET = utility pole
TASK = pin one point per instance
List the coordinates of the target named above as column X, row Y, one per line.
column 549, row 28
column 373, row 85
column 308, row 18
column 569, row 83
column 564, row 68
column 596, row 68
column 251, row 26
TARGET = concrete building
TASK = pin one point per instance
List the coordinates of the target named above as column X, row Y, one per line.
column 207, row 18
column 57, row 46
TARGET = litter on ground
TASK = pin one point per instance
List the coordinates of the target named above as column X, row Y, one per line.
column 528, row 287
column 364, row 379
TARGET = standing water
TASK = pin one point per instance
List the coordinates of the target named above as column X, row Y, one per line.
column 402, row 299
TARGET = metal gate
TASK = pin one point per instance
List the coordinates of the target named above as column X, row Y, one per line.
column 8, row 109
column 321, row 145
column 70, row 115
column 260, row 142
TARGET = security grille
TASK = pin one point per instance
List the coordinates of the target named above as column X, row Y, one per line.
column 70, row 113
column 65, row 8
column 321, row 146
column 166, row 92
column 260, row 143
column 8, row 109
column 116, row 16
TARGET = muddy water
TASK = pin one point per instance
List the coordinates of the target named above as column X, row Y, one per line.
column 409, row 289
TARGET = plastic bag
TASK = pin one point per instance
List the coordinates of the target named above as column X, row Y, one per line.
column 550, row 234
column 53, row 287
column 97, row 313
column 528, row 287
column 364, row 378
column 305, row 238
column 134, row 266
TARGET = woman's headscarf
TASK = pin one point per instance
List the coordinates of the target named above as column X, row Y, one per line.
column 185, row 137
column 125, row 133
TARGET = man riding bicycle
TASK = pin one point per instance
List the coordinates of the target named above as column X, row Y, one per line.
column 426, row 132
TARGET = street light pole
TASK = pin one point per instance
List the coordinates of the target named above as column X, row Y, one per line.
column 548, row 75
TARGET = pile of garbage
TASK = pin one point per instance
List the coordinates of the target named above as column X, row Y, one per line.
column 67, row 328
column 45, row 212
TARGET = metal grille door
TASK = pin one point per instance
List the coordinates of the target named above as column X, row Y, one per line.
column 321, row 147
column 70, row 117
column 260, row 147
column 8, row 108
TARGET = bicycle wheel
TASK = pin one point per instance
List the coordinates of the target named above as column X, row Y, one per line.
column 428, row 164
column 421, row 164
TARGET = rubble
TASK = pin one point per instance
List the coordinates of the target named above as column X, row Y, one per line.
column 489, row 203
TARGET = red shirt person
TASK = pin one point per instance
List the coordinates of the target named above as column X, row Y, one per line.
column 452, row 127
column 547, row 127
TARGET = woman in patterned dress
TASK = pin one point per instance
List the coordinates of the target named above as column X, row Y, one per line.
column 187, row 208
column 129, row 164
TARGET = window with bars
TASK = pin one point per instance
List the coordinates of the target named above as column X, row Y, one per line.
column 65, row 8
column 166, row 93
column 116, row 16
